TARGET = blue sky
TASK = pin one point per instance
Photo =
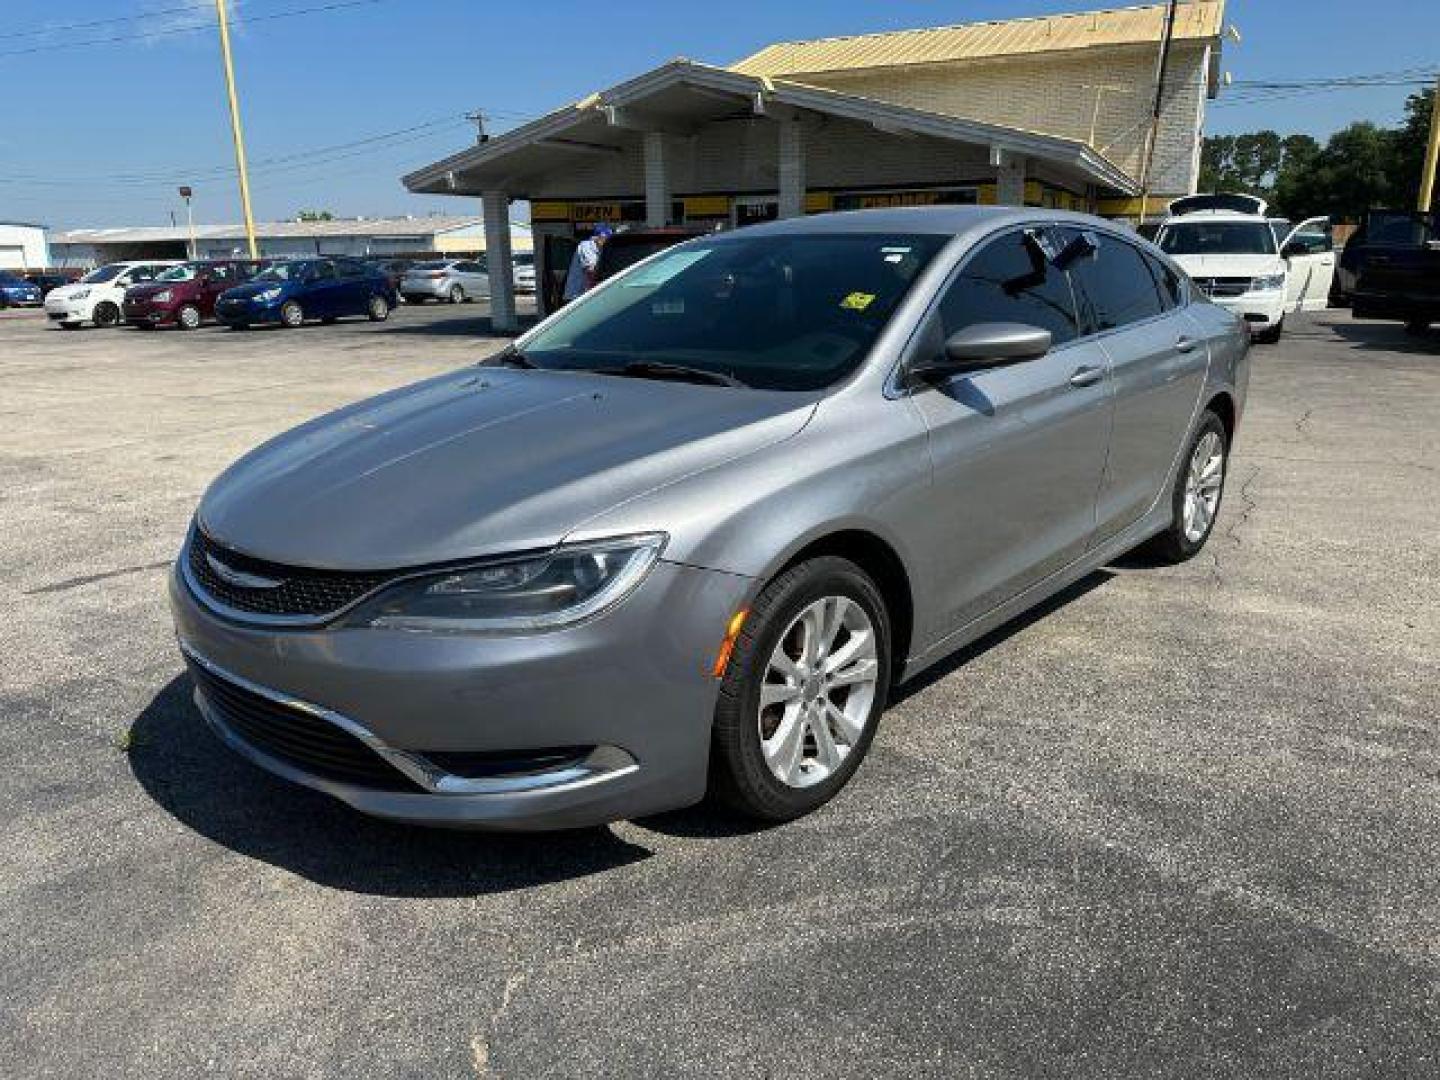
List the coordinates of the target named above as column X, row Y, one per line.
column 98, row 135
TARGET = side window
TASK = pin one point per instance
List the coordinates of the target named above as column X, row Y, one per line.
column 222, row 273
column 471, row 268
column 1116, row 286
column 1172, row 291
column 1011, row 280
column 349, row 269
column 323, row 271
column 141, row 273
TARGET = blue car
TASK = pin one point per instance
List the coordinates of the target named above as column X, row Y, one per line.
column 292, row 291
column 17, row 291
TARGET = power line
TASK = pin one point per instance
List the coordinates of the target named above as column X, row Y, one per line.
column 338, row 5
column 184, row 9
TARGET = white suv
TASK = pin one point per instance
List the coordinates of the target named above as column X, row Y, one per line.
column 97, row 297
column 1231, row 251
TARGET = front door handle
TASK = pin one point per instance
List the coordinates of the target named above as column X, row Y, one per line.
column 1087, row 376
column 1185, row 344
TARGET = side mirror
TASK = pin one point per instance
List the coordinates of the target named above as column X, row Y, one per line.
column 985, row 345
column 1293, row 248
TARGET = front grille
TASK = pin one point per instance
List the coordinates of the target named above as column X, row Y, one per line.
column 298, row 591
column 296, row 736
column 1230, row 287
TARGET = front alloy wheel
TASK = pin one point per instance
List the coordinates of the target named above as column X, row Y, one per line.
column 379, row 309
column 188, row 317
column 802, row 692
column 292, row 314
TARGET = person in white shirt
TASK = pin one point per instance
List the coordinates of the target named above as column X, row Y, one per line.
column 581, row 277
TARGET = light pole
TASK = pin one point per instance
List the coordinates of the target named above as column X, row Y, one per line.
column 235, row 128
column 185, row 193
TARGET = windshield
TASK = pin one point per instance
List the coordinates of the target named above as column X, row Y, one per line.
column 182, row 272
column 1217, row 238
column 283, row 272
column 778, row 312
column 103, row 273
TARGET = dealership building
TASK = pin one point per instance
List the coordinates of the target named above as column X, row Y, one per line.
column 403, row 236
column 1054, row 111
column 23, row 246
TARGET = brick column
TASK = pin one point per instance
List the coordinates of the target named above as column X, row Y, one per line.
column 495, row 205
column 792, row 168
column 1009, row 177
column 657, row 181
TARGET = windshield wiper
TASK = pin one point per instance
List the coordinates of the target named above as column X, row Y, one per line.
column 648, row 369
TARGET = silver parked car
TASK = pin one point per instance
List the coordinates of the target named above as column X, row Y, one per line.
column 687, row 534
column 455, row 280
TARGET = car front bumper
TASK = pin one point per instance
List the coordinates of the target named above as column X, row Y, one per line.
column 22, row 299
column 631, row 691
column 67, row 311
column 245, row 312
column 145, row 314
column 1261, row 311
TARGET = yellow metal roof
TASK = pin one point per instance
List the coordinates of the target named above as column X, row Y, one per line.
column 1196, row 20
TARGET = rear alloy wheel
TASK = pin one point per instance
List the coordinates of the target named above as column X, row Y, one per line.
column 1199, row 489
column 291, row 314
column 803, row 691
column 188, row 317
column 106, row 315
column 457, row 294
column 379, row 309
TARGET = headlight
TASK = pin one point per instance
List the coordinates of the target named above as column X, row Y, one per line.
column 79, row 294
column 1268, row 283
column 164, row 296
column 547, row 591
column 267, row 295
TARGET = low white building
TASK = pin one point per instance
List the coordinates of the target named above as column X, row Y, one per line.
column 23, row 246
column 405, row 236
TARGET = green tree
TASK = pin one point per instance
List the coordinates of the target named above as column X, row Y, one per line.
column 315, row 215
column 1409, row 149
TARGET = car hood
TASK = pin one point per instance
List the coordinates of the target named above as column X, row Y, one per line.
column 251, row 288
column 65, row 292
column 144, row 292
column 479, row 462
column 1230, row 265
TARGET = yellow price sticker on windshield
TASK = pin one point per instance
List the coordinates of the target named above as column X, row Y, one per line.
column 857, row 301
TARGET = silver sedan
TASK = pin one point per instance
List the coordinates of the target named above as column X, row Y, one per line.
column 455, row 280
column 687, row 535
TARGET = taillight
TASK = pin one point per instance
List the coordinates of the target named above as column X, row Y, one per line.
column 436, row 274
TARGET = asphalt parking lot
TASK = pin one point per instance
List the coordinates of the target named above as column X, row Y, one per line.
column 1181, row 822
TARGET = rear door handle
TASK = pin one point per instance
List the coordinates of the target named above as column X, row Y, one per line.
column 1185, row 344
column 1087, row 376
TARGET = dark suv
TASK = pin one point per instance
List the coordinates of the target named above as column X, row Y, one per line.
column 185, row 295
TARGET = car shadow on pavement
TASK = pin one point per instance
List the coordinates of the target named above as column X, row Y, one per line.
column 1387, row 337
column 203, row 784
column 1000, row 635
column 465, row 322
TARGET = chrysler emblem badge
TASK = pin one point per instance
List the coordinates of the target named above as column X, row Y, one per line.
column 239, row 578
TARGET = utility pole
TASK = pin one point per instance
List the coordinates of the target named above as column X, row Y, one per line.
column 478, row 119
column 1432, row 152
column 1162, row 64
column 185, row 193
column 235, row 128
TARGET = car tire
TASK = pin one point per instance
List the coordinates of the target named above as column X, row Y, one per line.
column 188, row 317
column 291, row 314
column 1205, row 484
column 106, row 315
column 1417, row 327
column 755, row 767
column 379, row 309
column 1272, row 335
column 69, row 326
column 457, row 294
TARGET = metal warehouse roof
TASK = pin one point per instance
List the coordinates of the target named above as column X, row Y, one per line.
column 1197, row 20
column 404, row 226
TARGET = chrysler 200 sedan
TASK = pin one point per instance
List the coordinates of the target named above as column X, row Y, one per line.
column 686, row 535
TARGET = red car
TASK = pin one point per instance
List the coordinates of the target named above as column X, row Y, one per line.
column 185, row 295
